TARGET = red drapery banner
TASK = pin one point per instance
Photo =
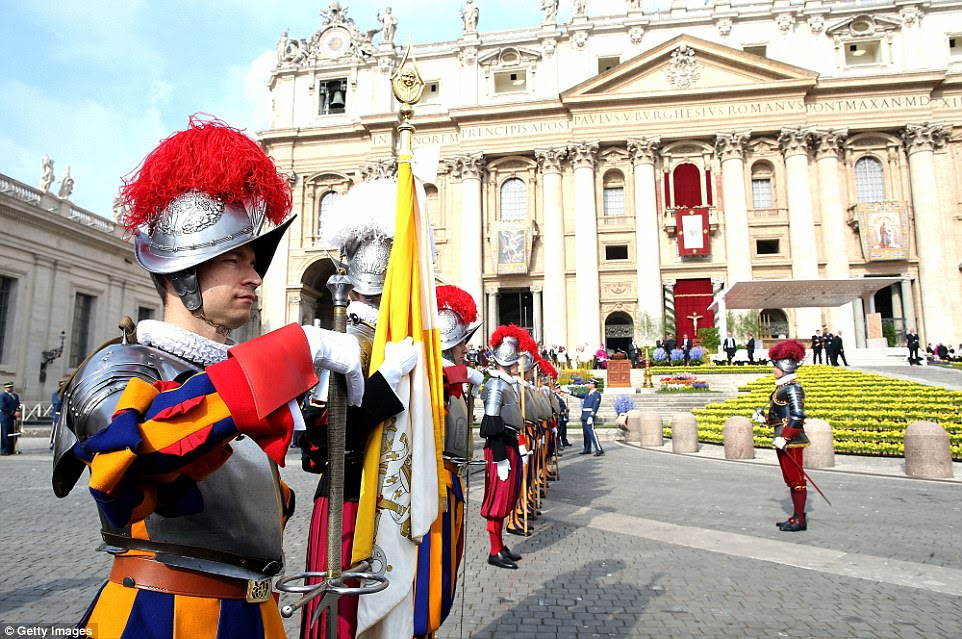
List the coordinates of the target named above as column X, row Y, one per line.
column 692, row 298
column 693, row 235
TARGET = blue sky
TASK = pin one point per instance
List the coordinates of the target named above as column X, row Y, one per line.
column 96, row 84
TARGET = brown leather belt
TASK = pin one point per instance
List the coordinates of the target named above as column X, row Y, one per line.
column 147, row 574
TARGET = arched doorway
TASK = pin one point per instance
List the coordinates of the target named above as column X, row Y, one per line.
column 619, row 330
column 773, row 323
column 316, row 300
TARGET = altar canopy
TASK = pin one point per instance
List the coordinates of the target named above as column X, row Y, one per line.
column 759, row 294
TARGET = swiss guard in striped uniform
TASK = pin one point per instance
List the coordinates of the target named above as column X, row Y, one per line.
column 500, row 428
column 786, row 413
column 362, row 224
column 440, row 553
column 181, row 430
column 528, row 444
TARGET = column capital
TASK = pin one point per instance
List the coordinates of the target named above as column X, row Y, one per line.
column 795, row 141
column 828, row 144
column 717, row 284
column 537, row 289
column 583, row 154
column 549, row 160
column 924, row 137
column 471, row 166
column 669, row 284
column 731, row 146
column 643, row 150
column 378, row 168
column 491, row 290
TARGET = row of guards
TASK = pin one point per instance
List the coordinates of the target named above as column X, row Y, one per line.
column 182, row 431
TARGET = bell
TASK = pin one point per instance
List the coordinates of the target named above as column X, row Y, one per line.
column 337, row 102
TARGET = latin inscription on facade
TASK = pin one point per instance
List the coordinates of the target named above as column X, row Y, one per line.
column 699, row 112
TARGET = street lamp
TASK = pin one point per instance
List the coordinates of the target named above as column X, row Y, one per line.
column 48, row 356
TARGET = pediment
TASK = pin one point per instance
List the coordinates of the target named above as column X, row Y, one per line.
column 689, row 64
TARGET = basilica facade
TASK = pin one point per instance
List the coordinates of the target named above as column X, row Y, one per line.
column 607, row 178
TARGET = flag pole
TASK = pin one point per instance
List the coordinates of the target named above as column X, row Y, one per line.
column 524, row 470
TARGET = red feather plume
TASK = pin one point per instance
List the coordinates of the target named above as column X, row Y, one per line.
column 789, row 349
column 210, row 157
column 458, row 300
column 509, row 330
column 549, row 369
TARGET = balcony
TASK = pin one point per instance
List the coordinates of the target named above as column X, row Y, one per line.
column 669, row 218
column 763, row 217
column 616, row 222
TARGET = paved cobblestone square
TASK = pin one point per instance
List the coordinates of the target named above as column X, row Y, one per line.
column 638, row 543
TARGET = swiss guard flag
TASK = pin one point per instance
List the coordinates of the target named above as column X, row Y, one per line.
column 693, row 235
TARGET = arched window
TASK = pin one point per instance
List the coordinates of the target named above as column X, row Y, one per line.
column 762, row 191
column 613, row 194
column 514, row 200
column 327, row 201
column 774, row 323
column 687, row 183
column 869, row 184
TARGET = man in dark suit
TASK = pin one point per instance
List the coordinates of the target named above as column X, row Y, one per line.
column 685, row 346
column 670, row 344
column 828, row 342
column 838, row 349
column 912, row 341
column 9, row 414
column 730, row 347
column 817, row 347
column 750, row 345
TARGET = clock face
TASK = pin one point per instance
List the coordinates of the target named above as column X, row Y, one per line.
column 335, row 42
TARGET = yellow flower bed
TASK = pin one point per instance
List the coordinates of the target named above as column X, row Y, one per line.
column 868, row 413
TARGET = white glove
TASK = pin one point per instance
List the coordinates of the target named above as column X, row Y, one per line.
column 757, row 416
column 504, row 467
column 340, row 353
column 591, row 421
column 779, row 443
column 475, row 378
column 399, row 359
column 522, row 450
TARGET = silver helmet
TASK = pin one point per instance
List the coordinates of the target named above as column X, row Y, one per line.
column 200, row 193
column 361, row 224
column 787, row 365
column 196, row 227
column 452, row 328
column 527, row 360
column 507, row 352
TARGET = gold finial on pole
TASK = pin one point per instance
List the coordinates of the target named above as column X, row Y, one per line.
column 408, row 87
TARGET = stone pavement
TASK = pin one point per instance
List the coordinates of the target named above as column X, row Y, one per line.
column 638, row 543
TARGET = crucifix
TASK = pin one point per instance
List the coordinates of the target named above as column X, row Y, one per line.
column 694, row 317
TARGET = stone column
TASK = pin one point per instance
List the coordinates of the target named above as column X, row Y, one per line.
column 908, row 304
column 470, row 168
column 921, row 140
column 491, row 292
column 647, row 229
column 835, row 231
column 795, row 145
column 730, row 148
column 555, row 278
column 721, row 315
column 587, row 283
column 536, row 305
column 860, row 336
column 668, row 291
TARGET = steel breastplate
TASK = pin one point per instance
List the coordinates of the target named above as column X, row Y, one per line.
column 242, row 510
column 457, row 430
column 364, row 334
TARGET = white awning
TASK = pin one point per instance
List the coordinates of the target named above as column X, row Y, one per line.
column 758, row 294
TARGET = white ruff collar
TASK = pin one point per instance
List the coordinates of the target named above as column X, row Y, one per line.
column 784, row 379
column 180, row 342
column 365, row 312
